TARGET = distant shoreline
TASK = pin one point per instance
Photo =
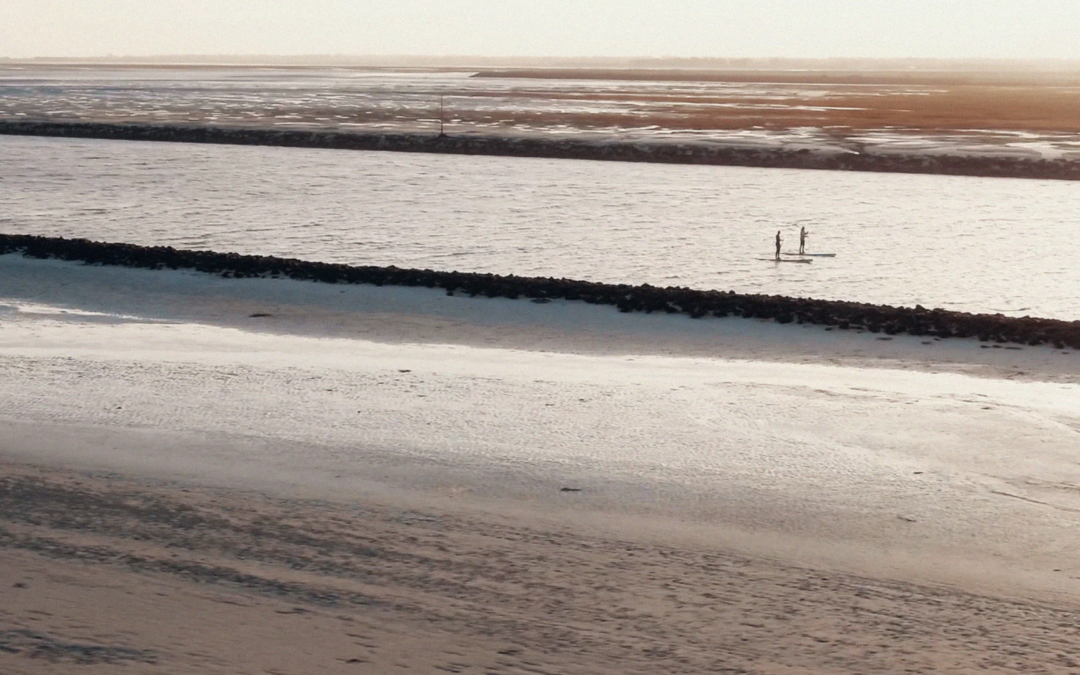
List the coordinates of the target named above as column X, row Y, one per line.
column 553, row 147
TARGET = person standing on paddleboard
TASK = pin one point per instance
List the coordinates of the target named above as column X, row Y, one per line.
column 778, row 244
column 802, row 239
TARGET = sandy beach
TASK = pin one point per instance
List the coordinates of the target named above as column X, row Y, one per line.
column 103, row 573
column 268, row 476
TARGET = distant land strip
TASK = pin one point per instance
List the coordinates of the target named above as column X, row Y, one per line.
column 554, row 147
column 943, row 77
column 696, row 304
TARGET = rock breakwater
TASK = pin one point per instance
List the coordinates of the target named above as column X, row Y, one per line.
column 696, row 304
column 556, row 147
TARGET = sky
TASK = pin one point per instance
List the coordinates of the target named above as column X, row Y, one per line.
column 999, row 29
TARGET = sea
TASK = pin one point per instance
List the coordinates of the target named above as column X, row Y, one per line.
column 983, row 245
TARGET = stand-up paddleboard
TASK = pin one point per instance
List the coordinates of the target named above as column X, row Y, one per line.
column 815, row 255
column 802, row 260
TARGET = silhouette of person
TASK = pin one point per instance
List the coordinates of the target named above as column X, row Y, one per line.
column 778, row 244
column 802, row 239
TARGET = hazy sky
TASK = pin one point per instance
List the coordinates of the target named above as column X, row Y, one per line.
column 704, row 28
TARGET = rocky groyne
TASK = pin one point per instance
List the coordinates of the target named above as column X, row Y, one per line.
column 557, row 147
column 696, row 304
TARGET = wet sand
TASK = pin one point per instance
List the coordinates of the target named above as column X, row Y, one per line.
column 99, row 572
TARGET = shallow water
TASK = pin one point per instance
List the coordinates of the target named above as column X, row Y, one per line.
column 970, row 244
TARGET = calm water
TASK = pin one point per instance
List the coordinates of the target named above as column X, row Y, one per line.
column 980, row 245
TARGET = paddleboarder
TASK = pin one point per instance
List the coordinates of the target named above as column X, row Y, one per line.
column 802, row 239
column 778, row 244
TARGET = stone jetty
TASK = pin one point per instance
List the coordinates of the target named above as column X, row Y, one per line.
column 695, row 304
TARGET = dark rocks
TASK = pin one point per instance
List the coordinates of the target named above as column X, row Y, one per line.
column 644, row 298
column 562, row 148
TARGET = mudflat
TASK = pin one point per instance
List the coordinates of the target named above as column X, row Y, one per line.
column 836, row 101
column 840, row 100
column 1005, row 123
